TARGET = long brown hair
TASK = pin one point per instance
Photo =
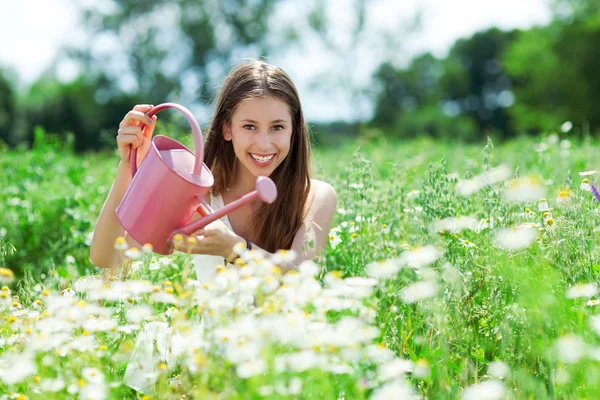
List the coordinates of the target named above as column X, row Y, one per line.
column 273, row 225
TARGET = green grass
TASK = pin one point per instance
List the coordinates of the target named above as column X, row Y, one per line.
column 491, row 304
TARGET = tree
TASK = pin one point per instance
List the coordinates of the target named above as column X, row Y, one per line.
column 464, row 95
column 477, row 81
column 7, row 109
column 170, row 49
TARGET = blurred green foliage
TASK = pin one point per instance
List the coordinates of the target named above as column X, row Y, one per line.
column 495, row 83
column 500, row 83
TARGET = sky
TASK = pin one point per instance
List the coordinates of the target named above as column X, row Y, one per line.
column 32, row 31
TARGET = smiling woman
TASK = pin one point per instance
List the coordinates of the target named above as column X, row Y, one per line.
column 258, row 130
column 260, row 145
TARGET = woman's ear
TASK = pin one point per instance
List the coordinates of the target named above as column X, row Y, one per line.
column 226, row 131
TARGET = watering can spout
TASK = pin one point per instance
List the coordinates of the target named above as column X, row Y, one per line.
column 265, row 190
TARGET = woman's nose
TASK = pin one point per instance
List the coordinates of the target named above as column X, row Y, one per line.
column 263, row 139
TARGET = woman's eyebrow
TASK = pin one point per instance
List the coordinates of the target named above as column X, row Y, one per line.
column 254, row 122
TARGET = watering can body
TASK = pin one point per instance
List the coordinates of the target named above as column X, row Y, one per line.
column 169, row 187
column 163, row 195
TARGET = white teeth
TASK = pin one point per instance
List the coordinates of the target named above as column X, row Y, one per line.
column 262, row 159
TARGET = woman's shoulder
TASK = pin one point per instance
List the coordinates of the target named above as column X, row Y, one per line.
column 321, row 189
column 322, row 195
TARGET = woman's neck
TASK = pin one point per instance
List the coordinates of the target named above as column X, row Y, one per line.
column 244, row 183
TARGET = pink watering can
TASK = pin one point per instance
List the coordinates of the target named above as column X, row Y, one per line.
column 169, row 187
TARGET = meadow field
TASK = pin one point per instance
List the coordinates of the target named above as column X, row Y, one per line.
column 452, row 271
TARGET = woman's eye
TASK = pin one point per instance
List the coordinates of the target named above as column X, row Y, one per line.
column 249, row 127
column 278, row 127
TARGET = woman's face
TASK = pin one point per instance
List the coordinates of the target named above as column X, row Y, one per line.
column 261, row 133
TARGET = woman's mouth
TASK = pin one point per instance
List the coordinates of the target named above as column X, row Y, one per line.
column 262, row 160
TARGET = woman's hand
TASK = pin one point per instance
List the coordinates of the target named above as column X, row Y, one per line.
column 214, row 239
column 135, row 131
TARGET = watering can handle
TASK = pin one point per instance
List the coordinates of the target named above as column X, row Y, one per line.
column 199, row 145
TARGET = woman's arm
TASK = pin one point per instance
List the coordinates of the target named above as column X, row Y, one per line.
column 135, row 131
column 102, row 252
column 313, row 235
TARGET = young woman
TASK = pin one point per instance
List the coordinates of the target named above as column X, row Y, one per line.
column 258, row 128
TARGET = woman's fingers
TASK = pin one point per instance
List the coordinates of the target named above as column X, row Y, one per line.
column 187, row 244
column 149, row 129
column 143, row 107
column 134, row 117
column 130, row 135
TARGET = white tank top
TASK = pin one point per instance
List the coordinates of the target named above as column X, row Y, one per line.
column 206, row 264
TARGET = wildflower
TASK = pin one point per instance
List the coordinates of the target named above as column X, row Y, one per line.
column 543, row 205
column 540, row 147
column 527, row 213
column 570, row 348
column 595, row 323
column 515, row 238
column 418, row 291
column 394, row 369
column 593, row 302
column 564, row 198
column 382, row 269
column 582, row 290
column 6, row 275
column 566, row 126
column 493, row 175
column 488, row 390
column 251, row 368
column 133, row 253
column 308, row 269
column 93, row 375
column 524, row 189
column 138, row 314
column 453, row 225
column 154, row 265
column 421, row 369
column 15, row 368
column 396, row 389
column 587, row 173
column 68, row 292
column 565, row 144
column 595, row 192
column 284, row 257
column 498, row 370
column 466, row 243
column 147, row 248
column 121, row 243
column 420, row 256
column 52, row 385
column 585, row 185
